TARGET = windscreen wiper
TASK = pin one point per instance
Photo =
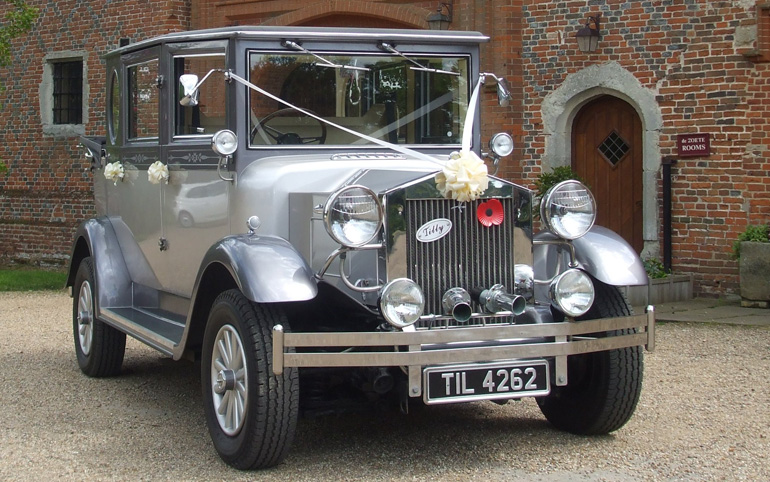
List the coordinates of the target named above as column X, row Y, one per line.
column 389, row 48
column 325, row 62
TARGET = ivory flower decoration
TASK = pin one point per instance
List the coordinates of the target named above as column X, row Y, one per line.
column 114, row 172
column 157, row 173
column 464, row 177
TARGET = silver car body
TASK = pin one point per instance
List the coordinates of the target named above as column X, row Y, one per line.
column 156, row 270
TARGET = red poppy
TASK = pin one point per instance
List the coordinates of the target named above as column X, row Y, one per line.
column 490, row 213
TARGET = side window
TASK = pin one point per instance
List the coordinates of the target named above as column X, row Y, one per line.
column 208, row 116
column 113, row 110
column 143, row 104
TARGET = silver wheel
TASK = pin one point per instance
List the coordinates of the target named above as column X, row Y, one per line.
column 251, row 413
column 229, row 380
column 99, row 347
column 85, row 317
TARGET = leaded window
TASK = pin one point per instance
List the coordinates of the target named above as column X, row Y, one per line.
column 68, row 92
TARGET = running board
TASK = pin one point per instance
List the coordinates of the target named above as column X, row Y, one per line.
column 159, row 329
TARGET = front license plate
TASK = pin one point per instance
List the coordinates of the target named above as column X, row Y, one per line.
column 490, row 381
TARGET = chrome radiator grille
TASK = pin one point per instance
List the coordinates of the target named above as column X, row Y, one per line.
column 470, row 256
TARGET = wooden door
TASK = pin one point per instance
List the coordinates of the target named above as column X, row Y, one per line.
column 607, row 154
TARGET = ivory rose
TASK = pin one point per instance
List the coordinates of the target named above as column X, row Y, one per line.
column 157, row 173
column 114, row 172
column 464, row 177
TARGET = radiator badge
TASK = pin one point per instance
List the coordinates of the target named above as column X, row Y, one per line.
column 434, row 230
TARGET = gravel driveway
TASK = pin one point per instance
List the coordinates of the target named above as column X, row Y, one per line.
column 703, row 416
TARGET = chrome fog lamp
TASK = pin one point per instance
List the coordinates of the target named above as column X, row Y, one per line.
column 572, row 292
column 501, row 144
column 401, row 302
column 224, row 142
column 353, row 216
column 568, row 209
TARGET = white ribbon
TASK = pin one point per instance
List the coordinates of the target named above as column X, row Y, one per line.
column 467, row 130
column 470, row 115
column 395, row 147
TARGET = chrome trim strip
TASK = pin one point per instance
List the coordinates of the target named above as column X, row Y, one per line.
column 341, row 253
column 461, row 355
column 278, row 355
column 309, row 33
column 142, row 334
column 651, row 327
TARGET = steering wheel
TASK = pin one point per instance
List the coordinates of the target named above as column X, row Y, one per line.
column 287, row 137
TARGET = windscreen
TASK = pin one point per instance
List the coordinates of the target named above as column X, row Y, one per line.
column 421, row 100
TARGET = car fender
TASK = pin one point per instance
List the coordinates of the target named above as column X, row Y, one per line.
column 97, row 238
column 602, row 253
column 267, row 269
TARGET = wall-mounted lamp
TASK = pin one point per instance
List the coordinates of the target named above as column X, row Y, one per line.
column 588, row 37
column 437, row 20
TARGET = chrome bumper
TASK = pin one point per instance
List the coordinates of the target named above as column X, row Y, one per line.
column 435, row 347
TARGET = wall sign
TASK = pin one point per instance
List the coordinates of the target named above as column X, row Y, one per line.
column 693, row 145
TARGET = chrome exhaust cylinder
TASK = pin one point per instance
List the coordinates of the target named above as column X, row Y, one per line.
column 457, row 303
column 496, row 299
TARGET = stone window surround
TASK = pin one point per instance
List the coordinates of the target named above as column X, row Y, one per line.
column 560, row 107
column 45, row 94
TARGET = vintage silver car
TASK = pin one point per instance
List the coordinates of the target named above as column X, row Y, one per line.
column 311, row 214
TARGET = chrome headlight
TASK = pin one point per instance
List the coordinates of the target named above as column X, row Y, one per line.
column 402, row 302
column 572, row 292
column 568, row 209
column 224, row 142
column 353, row 216
column 501, row 144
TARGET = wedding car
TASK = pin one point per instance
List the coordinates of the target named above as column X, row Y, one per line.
column 310, row 214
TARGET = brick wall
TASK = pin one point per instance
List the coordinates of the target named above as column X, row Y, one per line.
column 47, row 190
column 699, row 58
column 695, row 56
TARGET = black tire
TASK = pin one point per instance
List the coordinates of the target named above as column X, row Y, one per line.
column 268, row 404
column 603, row 387
column 99, row 347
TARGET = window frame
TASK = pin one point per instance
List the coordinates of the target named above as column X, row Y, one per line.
column 127, row 94
column 470, row 63
column 46, row 95
column 194, row 53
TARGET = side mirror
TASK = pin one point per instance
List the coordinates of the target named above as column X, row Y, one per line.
column 190, row 85
column 503, row 92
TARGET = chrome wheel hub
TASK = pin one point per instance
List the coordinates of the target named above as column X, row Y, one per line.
column 229, row 380
column 225, row 381
column 85, row 318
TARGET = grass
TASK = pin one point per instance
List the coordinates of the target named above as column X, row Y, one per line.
column 26, row 279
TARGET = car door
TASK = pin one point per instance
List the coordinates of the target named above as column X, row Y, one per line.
column 134, row 204
column 196, row 198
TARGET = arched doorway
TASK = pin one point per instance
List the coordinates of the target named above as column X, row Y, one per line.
column 607, row 152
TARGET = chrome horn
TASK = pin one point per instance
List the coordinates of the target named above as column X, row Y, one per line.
column 496, row 299
column 457, row 302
